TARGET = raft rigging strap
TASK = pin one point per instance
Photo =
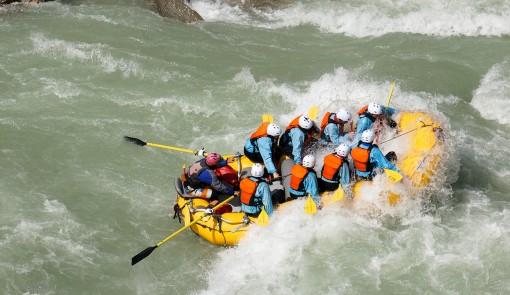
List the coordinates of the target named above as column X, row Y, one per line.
column 424, row 125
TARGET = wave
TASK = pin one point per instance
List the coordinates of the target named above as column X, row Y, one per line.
column 373, row 18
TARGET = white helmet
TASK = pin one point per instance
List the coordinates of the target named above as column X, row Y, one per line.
column 305, row 122
column 343, row 115
column 374, row 108
column 368, row 136
column 342, row 150
column 273, row 130
column 257, row 170
column 309, row 161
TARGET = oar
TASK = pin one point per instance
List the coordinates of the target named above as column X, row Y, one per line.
column 393, row 175
column 267, row 118
column 140, row 256
column 391, row 93
column 143, row 143
column 312, row 113
column 310, row 206
column 263, row 219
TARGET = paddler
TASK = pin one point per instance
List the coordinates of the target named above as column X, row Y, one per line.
column 255, row 193
column 261, row 146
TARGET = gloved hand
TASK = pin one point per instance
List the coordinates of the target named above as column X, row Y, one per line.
column 392, row 123
column 200, row 152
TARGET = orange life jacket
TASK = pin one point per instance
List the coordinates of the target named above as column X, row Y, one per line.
column 361, row 158
column 298, row 174
column 332, row 163
column 248, row 188
column 363, row 110
column 295, row 124
column 260, row 132
column 325, row 122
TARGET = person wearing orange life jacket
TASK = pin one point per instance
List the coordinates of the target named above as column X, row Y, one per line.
column 255, row 193
column 303, row 181
column 369, row 114
column 332, row 127
column 299, row 132
column 368, row 157
column 261, row 146
column 335, row 169
column 201, row 175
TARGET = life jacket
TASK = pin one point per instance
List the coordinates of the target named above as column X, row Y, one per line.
column 193, row 173
column 364, row 112
column 226, row 173
column 285, row 139
column 332, row 164
column 361, row 158
column 260, row 132
column 298, row 174
column 248, row 188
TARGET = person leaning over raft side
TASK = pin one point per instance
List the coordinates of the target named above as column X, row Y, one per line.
column 261, row 146
column 335, row 169
column 296, row 136
column 369, row 114
column 201, row 174
column 332, row 127
column 303, row 180
column 255, row 192
column 367, row 157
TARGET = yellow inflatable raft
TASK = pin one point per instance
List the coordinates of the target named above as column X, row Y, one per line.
column 423, row 151
column 418, row 132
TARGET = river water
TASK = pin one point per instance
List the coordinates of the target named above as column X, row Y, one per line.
column 77, row 201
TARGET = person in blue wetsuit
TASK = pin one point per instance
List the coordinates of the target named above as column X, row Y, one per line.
column 296, row 137
column 368, row 157
column 332, row 127
column 303, row 181
column 335, row 170
column 255, row 193
column 261, row 146
column 369, row 114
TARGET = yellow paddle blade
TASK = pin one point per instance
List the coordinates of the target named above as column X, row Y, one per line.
column 391, row 93
column 267, row 118
column 338, row 195
column 312, row 113
column 263, row 219
column 310, row 206
column 393, row 175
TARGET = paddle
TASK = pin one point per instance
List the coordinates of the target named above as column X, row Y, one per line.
column 338, row 195
column 267, row 118
column 143, row 143
column 140, row 256
column 393, row 175
column 263, row 219
column 312, row 113
column 391, row 93
column 310, row 206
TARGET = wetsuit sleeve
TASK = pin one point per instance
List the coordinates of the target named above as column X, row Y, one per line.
column 344, row 174
column 265, row 193
column 334, row 134
column 265, row 147
column 364, row 123
column 377, row 157
column 312, row 187
column 249, row 147
column 388, row 111
column 209, row 177
column 298, row 138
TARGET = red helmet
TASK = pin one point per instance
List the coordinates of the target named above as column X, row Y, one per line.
column 213, row 159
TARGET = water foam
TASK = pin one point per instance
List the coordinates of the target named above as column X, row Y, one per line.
column 368, row 18
column 491, row 98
